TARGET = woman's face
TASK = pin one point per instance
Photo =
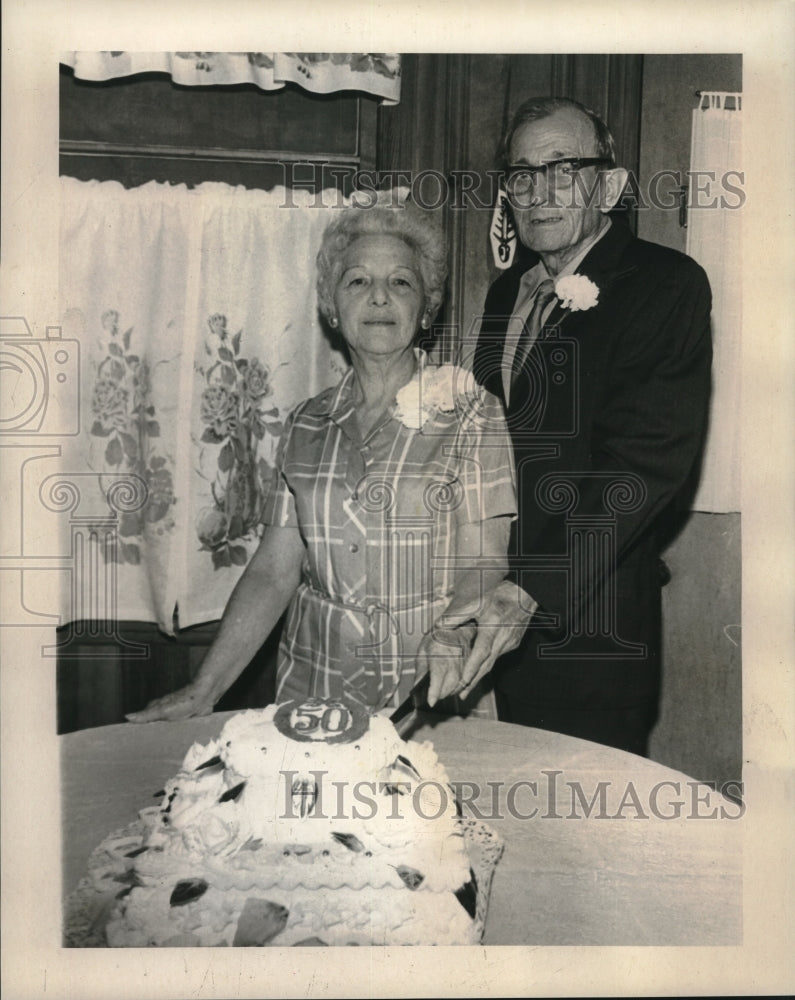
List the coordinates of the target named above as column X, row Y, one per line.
column 380, row 296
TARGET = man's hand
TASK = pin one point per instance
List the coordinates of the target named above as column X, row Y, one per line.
column 501, row 626
column 188, row 702
column 443, row 653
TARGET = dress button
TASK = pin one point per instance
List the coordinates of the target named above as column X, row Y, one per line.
column 354, row 547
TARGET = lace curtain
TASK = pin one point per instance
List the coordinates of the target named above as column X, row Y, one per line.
column 376, row 73
column 195, row 317
column 714, row 239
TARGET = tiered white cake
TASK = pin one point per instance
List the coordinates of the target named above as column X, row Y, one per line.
column 308, row 823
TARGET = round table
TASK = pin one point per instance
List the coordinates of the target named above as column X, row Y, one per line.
column 601, row 847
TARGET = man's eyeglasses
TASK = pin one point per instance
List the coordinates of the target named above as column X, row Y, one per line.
column 522, row 178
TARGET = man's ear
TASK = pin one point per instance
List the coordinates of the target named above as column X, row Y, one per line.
column 613, row 183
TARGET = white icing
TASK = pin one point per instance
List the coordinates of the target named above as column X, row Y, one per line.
column 345, row 783
column 364, row 866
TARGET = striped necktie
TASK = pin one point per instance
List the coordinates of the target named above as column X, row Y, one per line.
column 544, row 295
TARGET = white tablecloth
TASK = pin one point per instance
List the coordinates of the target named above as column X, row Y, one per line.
column 604, row 860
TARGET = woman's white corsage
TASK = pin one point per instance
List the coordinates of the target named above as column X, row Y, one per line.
column 430, row 391
column 576, row 292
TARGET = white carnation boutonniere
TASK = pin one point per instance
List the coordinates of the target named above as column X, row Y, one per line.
column 431, row 391
column 576, row 292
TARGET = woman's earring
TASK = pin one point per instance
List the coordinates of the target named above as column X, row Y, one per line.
column 502, row 234
column 425, row 322
column 332, row 322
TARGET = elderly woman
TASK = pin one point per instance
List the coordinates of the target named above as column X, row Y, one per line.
column 389, row 522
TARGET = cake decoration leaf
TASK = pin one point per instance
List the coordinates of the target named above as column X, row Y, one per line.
column 348, row 840
column 411, row 877
column 136, row 852
column 210, row 763
column 232, row 793
column 467, row 894
column 407, row 763
column 260, row 921
column 186, row 890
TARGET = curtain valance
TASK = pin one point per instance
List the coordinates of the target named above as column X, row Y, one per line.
column 376, row 73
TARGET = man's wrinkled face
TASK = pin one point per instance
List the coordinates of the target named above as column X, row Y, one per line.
column 557, row 219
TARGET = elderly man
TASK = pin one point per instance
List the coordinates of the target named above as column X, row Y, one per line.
column 599, row 345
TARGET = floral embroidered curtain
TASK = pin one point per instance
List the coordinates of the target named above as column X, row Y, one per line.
column 376, row 73
column 195, row 315
column 714, row 239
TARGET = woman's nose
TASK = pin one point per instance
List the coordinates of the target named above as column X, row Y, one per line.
column 379, row 292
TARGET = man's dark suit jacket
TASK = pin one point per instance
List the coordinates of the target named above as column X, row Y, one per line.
column 607, row 421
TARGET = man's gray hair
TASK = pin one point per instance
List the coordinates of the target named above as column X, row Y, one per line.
column 542, row 107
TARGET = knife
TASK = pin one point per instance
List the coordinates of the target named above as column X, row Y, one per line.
column 405, row 715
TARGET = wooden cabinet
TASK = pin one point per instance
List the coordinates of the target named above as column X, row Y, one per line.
column 102, row 676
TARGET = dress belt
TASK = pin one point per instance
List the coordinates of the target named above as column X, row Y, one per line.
column 372, row 607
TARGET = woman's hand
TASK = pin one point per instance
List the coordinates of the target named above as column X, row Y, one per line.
column 443, row 653
column 501, row 627
column 188, row 702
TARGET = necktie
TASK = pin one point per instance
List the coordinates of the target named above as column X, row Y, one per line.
column 543, row 296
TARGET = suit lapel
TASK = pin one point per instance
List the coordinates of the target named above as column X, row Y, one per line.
column 604, row 265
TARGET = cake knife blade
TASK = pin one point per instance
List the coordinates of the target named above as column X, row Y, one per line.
column 405, row 715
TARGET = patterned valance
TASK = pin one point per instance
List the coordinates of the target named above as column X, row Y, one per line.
column 376, row 73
